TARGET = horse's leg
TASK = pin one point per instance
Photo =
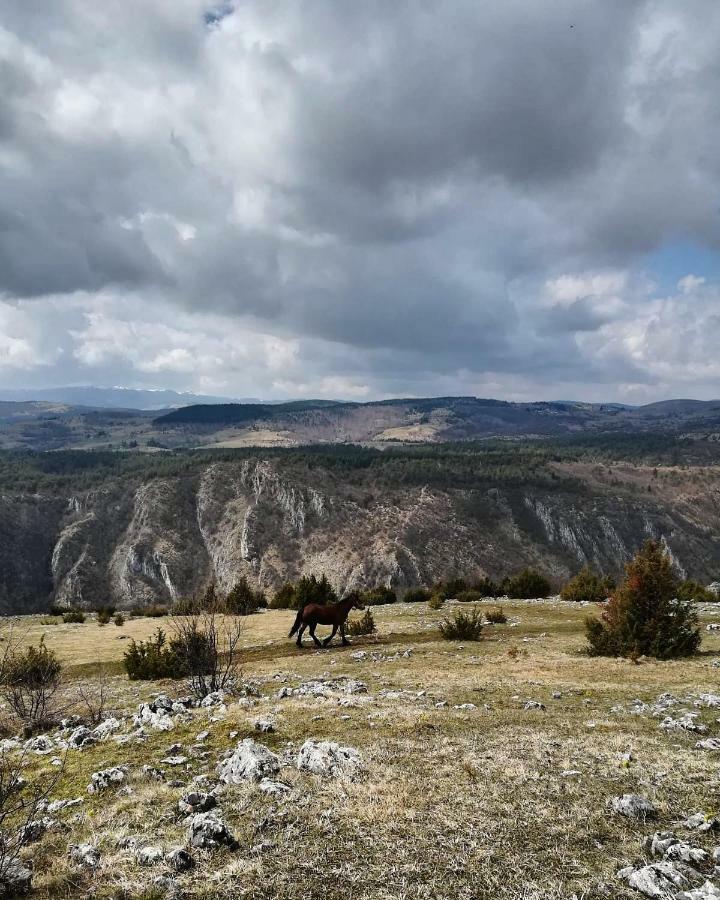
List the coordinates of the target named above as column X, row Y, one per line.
column 346, row 642
column 312, row 633
column 300, row 634
column 328, row 639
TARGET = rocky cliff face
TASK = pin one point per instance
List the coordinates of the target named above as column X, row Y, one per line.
column 134, row 543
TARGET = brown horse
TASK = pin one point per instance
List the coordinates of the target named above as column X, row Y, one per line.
column 335, row 614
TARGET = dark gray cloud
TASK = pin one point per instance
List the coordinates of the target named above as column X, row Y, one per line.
column 377, row 198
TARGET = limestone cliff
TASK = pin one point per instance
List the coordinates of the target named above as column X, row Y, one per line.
column 134, row 542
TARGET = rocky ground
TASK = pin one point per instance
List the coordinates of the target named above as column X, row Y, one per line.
column 403, row 766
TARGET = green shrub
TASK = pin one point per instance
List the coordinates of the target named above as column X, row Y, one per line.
column 644, row 616
column 437, row 601
column 364, row 625
column 119, row 619
column 526, row 585
column 378, row 596
column 29, row 680
column 284, row 597
column 153, row 659
column 469, row 596
column 155, row 611
column 450, row 589
column 462, row 626
column 496, row 616
column 186, row 606
column 587, row 586
column 74, row 616
column 416, row 595
column 311, row 589
column 486, row 587
column 243, row 600
column 103, row 616
column 693, row 590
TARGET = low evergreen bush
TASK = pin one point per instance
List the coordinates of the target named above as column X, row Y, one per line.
column 416, row 595
column 462, row 626
column 362, row 626
column 588, row 586
column 526, row 585
column 74, row 616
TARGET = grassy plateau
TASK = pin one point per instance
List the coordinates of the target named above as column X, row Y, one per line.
column 464, row 793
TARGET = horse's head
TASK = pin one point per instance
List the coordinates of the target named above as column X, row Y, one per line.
column 356, row 601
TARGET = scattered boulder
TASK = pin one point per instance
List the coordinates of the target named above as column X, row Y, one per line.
column 264, row 726
column 207, row 831
column 15, row 880
column 667, row 845
column 56, row 805
column 35, row 829
column 633, row 806
column 196, row 801
column 534, row 704
column 712, row 745
column 700, row 822
column 180, row 860
column 328, row 758
column 175, row 760
column 105, row 778
column 149, row 855
column 215, row 698
column 152, row 773
column 106, row 729
column 274, row 788
column 661, row 879
column 80, row 738
column 249, row 760
column 86, row 855
column 685, row 722
column 157, row 719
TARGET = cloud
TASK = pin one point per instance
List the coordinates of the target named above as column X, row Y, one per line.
column 287, row 198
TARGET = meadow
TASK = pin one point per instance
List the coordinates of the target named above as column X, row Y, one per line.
column 488, row 767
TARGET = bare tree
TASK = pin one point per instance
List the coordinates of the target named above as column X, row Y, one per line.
column 93, row 698
column 209, row 644
column 21, row 803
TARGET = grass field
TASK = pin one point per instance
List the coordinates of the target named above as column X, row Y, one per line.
column 469, row 802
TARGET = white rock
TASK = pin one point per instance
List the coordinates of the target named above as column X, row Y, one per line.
column 658, row 880
column 633, row 806
column 249, row 760
column 328, row 758
column 208, row 831
column 274, row 788
column 150, row 855
column 100, row 781
column 85, row 855
column 107, row 728
column 710, row 744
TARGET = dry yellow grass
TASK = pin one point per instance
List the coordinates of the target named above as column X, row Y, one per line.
column 466, row 803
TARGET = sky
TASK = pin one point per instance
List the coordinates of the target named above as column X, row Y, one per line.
column 309, row 198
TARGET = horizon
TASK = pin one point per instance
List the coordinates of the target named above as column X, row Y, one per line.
column 201, row 399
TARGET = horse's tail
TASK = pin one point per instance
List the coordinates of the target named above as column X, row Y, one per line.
column 298, row 622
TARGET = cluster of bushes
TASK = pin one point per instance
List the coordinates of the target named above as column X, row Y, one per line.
column 241, row 600
column 72, row 616
column 308, row 589
column 588, row 586
column 204, row 648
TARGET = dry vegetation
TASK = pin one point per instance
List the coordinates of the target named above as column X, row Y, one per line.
column 455, row 801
